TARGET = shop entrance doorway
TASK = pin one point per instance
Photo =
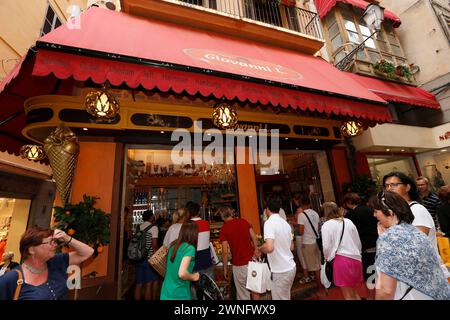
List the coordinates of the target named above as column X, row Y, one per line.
column 152, row 181
column 14, row 214
column 301, row 174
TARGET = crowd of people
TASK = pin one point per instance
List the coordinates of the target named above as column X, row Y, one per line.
column 390, row 240
column 359, row 238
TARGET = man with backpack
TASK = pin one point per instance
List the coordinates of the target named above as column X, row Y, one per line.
column 142, row 246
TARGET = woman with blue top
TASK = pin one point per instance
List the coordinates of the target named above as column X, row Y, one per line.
column 180, row 264
column 43, row 273
column 407, row 265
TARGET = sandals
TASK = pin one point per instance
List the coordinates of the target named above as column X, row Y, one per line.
column 305, row 280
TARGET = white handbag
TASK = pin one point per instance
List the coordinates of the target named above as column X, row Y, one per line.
column 214, row 257
column 258, row 277
column 323, row 277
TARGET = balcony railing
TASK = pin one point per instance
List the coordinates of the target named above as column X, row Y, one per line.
column 268, row 12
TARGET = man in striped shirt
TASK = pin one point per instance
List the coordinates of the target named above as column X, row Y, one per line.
column 203, row 261
column 430, row 200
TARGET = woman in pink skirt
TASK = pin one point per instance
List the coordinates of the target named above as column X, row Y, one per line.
column 347, row 266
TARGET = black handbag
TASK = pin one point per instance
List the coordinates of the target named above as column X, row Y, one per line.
column 329, row 264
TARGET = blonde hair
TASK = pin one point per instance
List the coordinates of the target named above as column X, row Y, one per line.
column 423, row 179
column 178, row 215
column 9, row 255
column 331, row 210
column 225, row 212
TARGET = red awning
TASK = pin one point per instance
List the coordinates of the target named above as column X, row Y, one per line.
column 64, row 65
column 123, row 35
column 397, row 92
column 141, row 40
column 324, row 6
column 17, row 87
column 289, row 3
column 123, row 49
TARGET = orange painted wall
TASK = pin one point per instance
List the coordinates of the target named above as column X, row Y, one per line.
column 94, row 176
column 248, row 200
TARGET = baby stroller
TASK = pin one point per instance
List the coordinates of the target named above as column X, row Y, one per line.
column 207, row 289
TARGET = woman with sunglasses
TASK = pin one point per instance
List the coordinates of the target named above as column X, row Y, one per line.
column 408, row 267
column 43, row 272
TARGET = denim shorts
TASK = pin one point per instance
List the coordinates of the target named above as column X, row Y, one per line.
column 145, row 273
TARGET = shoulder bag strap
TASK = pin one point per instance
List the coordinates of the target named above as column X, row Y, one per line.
column 406, row 292
column 342, row 234
column 413, row 203
column 315, row 232
column 148, row 228
column 19, row 284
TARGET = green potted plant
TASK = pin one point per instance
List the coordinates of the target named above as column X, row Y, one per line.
column 403, row 70
column 84, row 222
column 385, row 66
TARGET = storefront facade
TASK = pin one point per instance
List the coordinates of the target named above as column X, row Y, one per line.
column 417, row 151
column 164, row 88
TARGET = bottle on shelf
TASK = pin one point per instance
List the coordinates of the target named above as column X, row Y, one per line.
column 140, row 197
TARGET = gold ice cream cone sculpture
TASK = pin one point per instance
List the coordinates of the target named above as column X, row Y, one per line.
column 62, row 150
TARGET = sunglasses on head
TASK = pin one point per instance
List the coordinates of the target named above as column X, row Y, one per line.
column 382, row 198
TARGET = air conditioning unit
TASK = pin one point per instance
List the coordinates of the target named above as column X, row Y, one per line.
column 74, row 11
column 107, row 4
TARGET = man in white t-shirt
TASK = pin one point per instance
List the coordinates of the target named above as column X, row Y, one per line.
column 308, row 220
column 278, row 246
column 282, row 214
column 404, row 186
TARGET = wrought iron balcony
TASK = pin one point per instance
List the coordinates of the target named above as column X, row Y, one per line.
column 267, row 12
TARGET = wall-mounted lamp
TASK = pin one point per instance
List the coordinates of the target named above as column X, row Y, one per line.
column 32, row 152
column 373, row 17
column 352, row 128
column 102, row 104
column 224, row 116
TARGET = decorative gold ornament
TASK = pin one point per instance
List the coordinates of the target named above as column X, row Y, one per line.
column 32, row 152
column 217, row 174
column 352, row 128
column 62, row 150
column 224, row 116
column 102, row 104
